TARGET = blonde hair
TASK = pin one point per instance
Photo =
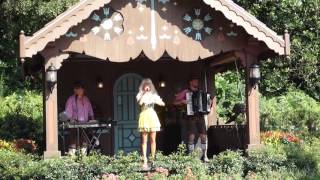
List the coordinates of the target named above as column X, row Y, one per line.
column 145, row 82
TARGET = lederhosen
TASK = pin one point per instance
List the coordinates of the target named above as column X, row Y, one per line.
column 195, row 123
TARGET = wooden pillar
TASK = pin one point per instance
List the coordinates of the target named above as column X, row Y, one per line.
column 212, row 116
column 54, row 58
column 252, row 112
column 51, row 117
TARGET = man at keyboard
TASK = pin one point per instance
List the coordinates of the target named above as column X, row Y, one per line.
column 78, row 109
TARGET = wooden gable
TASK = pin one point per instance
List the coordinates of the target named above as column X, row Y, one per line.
column 121, row 30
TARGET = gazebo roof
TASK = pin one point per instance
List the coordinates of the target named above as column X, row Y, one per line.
column 31, row 45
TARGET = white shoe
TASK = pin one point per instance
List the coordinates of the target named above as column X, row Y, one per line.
column 72, row 151
column 205, row 159
column 83, row 151
column 96, row 141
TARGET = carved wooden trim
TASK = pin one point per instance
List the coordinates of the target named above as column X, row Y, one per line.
column 81, row 11
column 253, row 26
column 61, row 24
column 54, row 57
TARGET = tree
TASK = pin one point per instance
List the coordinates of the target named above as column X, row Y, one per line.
column 302, row 19
column 17, row 15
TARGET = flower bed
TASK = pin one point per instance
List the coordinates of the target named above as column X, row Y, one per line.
column 21, row 145
column 278, row 137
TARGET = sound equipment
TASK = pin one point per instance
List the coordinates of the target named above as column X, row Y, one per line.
column 198, row 102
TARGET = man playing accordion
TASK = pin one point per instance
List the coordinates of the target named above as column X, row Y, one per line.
column 195, row 121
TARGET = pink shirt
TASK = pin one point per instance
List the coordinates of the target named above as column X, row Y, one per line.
column 80, row 110
column 181, row 95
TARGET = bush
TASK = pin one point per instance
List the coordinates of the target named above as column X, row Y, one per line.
column 16, row 164
column 306, row 156
column 300, row 157
column 267, row 159
column 294, row 111
column 4, row 145
column 181, row 163
column 65, row 168
column 285, row 161
column 20, row 145
column 229, row 162
column 281, row 174
column 124, row 165
column 21, row 117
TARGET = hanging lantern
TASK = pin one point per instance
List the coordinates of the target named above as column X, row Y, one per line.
column 51, row 75
column 255, row 74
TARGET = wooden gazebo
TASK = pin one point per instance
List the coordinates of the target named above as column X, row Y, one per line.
column 119, row 42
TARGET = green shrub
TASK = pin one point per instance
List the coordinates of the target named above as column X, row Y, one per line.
column 64, row 168
column 288, row 161
column 266, row 159
column 229, row 162
column 97, row 164
column 294, row 111
column 14, row 165
column 278, row 175
column 124, row 165
column 306, row 156
column 180, row 162
column 21, row 117
column 24, row 103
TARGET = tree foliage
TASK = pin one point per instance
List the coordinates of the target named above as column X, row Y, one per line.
column 294, row 111
column 26, row 15
column 302, row 19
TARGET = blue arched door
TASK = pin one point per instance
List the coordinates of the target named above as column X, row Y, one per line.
column 126, row 111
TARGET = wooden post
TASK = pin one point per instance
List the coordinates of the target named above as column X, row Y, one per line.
column 51, row 118
column 22, row 50
column 212, row 116
column 55, row 58
column 252, row 110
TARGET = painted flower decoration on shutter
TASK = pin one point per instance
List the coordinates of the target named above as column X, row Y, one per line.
column 109, row 24
column 197, row 24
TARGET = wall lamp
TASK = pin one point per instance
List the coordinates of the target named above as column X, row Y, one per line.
column 51, row 76
column 162, row 82
column 255, row 74
column 100, row 84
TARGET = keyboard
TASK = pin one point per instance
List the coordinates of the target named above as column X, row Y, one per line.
column 89, row 124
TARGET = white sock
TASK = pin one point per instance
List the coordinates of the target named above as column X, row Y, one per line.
column 190, row 147
column 84, row 150
column 204, row 148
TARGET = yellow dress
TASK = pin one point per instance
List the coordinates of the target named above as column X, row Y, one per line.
column 148, row 118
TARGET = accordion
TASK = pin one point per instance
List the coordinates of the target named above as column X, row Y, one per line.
column 198, row 102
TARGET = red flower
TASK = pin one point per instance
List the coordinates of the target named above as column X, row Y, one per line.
column 25, row 145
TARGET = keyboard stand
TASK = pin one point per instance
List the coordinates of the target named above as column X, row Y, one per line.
column 96, row 130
